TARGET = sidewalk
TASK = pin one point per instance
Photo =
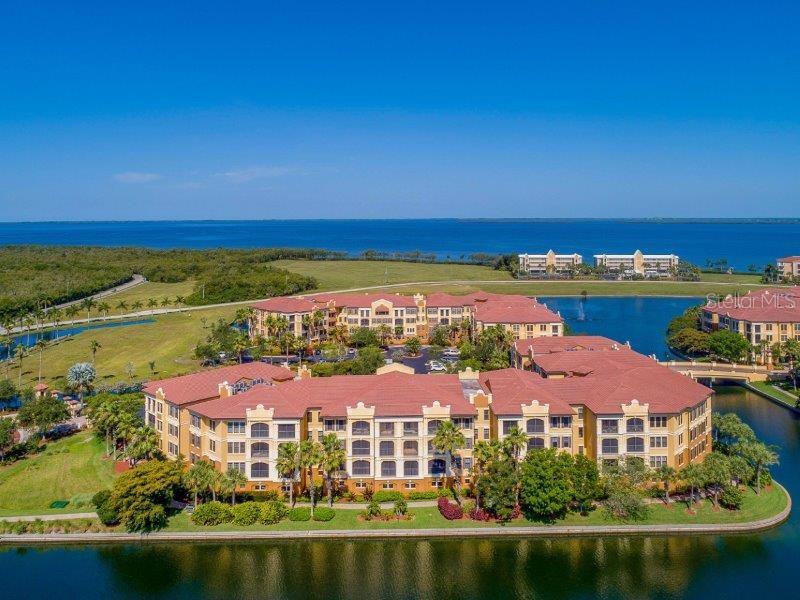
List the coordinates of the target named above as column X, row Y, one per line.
column 51, row 517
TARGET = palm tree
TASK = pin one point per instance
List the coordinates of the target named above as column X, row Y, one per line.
column 180, row 300
column 449, row 440
column 19, row 354
column 332, row 458
column 199, row 477
column 71, row 311
column 693, row 475
column 104, row 307
column 760, row 456
column 80, row 377
column 143, row 444
column 94, row 346
column 666, row 475
column 55, row 316
column 87, row 304
column 125, row 431
column 41, row 344
column 151, row 304
column 287, row 465
column 216, row 484
column 136, row 305
column 235, row 479
column 513, row 443
column 310, row 455
column 165, row 302
column 5, row 342
column 482, row 454
column 122, row 305
column 240, row 346
column 28, row 322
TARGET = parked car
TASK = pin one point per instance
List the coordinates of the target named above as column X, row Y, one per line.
column 451, row 353
column 436, row 366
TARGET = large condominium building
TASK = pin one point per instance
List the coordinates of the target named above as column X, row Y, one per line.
column 608, row 404
column 646, row 265
column 313, row 317
column 789, row 266
column 540, row 264
column 771, row 315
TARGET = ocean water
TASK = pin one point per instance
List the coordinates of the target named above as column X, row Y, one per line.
column 741, row 243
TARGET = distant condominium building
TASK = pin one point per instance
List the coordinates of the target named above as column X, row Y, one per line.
column 541, row 264
column 789, row 266
column 314, row 317
column 771, row 315
column 646, row 265
column 607, row 402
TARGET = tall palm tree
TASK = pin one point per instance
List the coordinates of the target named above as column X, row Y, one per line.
column 449, row 440
column 288, row 465
column 143, row 444
column 235, row 479
column 240, row 346
column 122, row 305
column 94, row 346
column 760, row 456
column 19, row 354
column 71, row 311
column 666, row 475
column 28, row 322
column 310, row 454
column 332, row 457
column 180, row 300
column 125, row 431
column 104, row 307
column 55, row 316
column 483, row 453
column 199, row 477
column 513, row 443
column 137, row 305
column 151, row 304
column 41, row 344
column 165, row 301
column 87, row 304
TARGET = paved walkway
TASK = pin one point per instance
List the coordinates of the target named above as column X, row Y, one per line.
column 51, row 517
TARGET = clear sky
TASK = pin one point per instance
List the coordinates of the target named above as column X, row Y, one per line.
column 287, row 109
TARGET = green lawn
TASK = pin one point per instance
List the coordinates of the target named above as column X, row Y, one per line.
column 770, row 502
column 71, row 468
column 786, row 397
column 169, row 341
column 145, row 291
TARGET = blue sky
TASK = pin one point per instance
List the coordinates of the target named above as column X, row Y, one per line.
column 200, row 110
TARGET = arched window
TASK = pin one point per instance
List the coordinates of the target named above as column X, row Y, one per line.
column 610, row 446
column 360, row 448
column 535, row 443
column 635, row 425
column 360, row 467
column 433, row 426
column 259, row 470
column 436, row 467
column 387, row 448
column 388, row 468
column 535, row 426
column 411, row 468
column 259, row 450
column 635, row 444
column 259, row 430
column 361, row 428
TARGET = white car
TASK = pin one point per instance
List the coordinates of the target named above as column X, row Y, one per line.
column 436, row 366
column 451, row 352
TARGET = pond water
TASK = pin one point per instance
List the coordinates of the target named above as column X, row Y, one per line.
column 738, row 566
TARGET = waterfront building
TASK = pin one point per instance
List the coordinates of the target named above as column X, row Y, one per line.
column 763, row 317
column 646, row 265
column 550, row 263
column 313, row 317
column 789, row 267
column 593, row 397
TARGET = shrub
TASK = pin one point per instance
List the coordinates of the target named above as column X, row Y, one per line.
column 246, row 513
column 444, row 492
column 449, row 510
column 368, row 493
column 212, row 513
column 478, row 514
column 272, row 512
column 388, row 496
column 300, row 513
column 263, row 496
column 373, row 508
column 731, row 497
column 104, row 508
column 100, row 498
column 400, row 507
column 423, row 495
column 323, row 513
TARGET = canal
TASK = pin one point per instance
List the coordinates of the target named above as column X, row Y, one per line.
column 617, row 567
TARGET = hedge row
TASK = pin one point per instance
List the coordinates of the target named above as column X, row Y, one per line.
column 249, row 513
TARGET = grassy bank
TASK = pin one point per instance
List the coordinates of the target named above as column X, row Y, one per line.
column 142, row 293
column 787, row 397
column 755, row 508
column 72, row 468
column 169, row 342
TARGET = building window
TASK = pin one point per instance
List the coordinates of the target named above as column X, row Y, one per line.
column 194, row 439
column 410, row 468
column 259, row 430
column 286, row 431
column 610, row 446
column 388, row 468
column 360, row 448
column 236, row 466
column 173, row 430
column 486, row 433
column 361, row 467
column 609, row 426
column 410, row 448
column 508, row 426
column 173, row 411
column 360, row 428
column 635, row 444
column 259, row 470
column 259, row 450
column 410, row 428
column 195, row 420
column 386, row 429
column 335, row 424
column 485, row 414
column 172, row 448
column 387, row 448
column 212, row 445
column 658, row 422
column 535, row 443
column 433, row 426
column 658, row 461
column 658, row 441
column 436, row 467
column 635, row 425
column 579, row 410
column 235, row 426
column 561, row 422
column 410, row 485
column 534, row 426
column 235, row 447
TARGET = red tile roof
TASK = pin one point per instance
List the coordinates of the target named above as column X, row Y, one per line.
column 546, row 345
column 774, row 305
column 364, row 300
column 516, row 311
column 205, row 384
column 286, row 304
column 789, row 259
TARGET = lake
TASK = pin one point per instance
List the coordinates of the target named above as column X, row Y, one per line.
column 619, row 567
column 741, row 242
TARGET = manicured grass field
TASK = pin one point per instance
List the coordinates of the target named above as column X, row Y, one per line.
column 787, row 397
column 71, row 468
column 169, row 341
column 145, row 291
column 771, row 502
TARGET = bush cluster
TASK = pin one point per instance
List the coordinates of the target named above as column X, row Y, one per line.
column 323, row 513
column 246, row 513
column 212, row 513
column 42, row 527
column 300, row 513
column 731, row 497
column 105, row 511
column 449, row 510
column 272, row 512
column 388, row 496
